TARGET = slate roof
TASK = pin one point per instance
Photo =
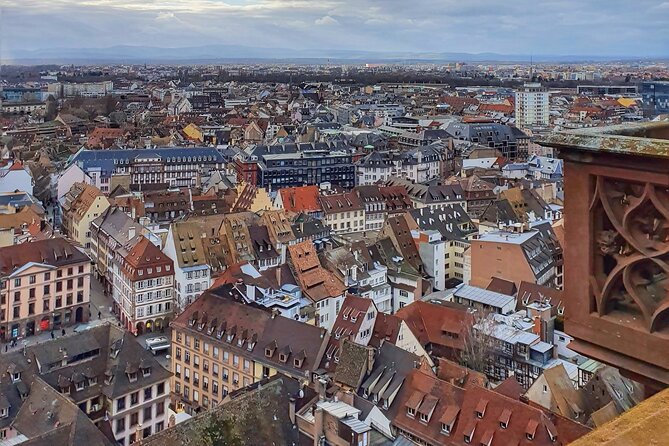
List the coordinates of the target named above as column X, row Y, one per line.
column 55, row 251
column 452, row 222
column 224, row 316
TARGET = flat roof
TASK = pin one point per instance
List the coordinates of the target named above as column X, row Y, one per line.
column 483, row 296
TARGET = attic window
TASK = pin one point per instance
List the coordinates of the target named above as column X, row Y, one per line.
column 79, row 386
column 146, row 371
column 132, row 377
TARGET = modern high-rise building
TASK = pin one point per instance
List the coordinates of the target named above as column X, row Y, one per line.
column 655, row 97
column 532, row 105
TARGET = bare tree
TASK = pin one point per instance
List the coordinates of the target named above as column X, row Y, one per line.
column 479, row 340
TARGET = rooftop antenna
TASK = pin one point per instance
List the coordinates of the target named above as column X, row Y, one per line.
column 531, row 68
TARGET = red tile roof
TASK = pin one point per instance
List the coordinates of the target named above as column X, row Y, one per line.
column 144, row 255
column 300, row 199
column 316, row 282
column 430, row 323
column 487, row 417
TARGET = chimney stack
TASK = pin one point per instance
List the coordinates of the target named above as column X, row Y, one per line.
column 318, row 426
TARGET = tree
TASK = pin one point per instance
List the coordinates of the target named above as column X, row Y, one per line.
column 479, row 342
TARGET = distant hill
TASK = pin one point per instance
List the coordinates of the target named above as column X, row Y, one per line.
column 232, row 53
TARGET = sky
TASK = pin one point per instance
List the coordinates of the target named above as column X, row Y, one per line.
column 539, row 27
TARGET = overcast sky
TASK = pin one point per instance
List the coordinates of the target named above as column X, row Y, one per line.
column 540, row 27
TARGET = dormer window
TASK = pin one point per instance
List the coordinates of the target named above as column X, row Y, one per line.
column 79, row 386
column 146, row 371
column 16, row 376
column 132, row 377
column 424, row 417
column 297, row 362
column 268, row 352
column 283, row 357
column 4, row 412
column 529, row 436
column 92, row 381
column 480, row 408
column 411, row 412
column 445, row 428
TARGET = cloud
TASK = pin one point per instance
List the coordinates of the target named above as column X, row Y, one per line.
column 165, row 15
column 326, row 20
column 593, row 27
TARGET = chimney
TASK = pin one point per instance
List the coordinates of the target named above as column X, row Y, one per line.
column 318, row 426
column 291, row 410
column 321, row 386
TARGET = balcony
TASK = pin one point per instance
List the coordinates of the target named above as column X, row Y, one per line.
column 616, row 258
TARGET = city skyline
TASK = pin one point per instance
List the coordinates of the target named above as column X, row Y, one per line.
column 601, row 29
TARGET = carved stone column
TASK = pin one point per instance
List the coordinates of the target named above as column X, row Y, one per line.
column 616, row 259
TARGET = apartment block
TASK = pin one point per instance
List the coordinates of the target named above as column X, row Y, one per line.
column 44, row 285
column 221, row 345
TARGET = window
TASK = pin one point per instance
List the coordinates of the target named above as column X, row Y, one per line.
column 147, row 414
column 148, row 393
column 445, row 428
column 160, row 408
column 120, row 404
column 160, row 389
column 120, row 425
column 411, row 412
column 134, row 418
column 134, row 398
